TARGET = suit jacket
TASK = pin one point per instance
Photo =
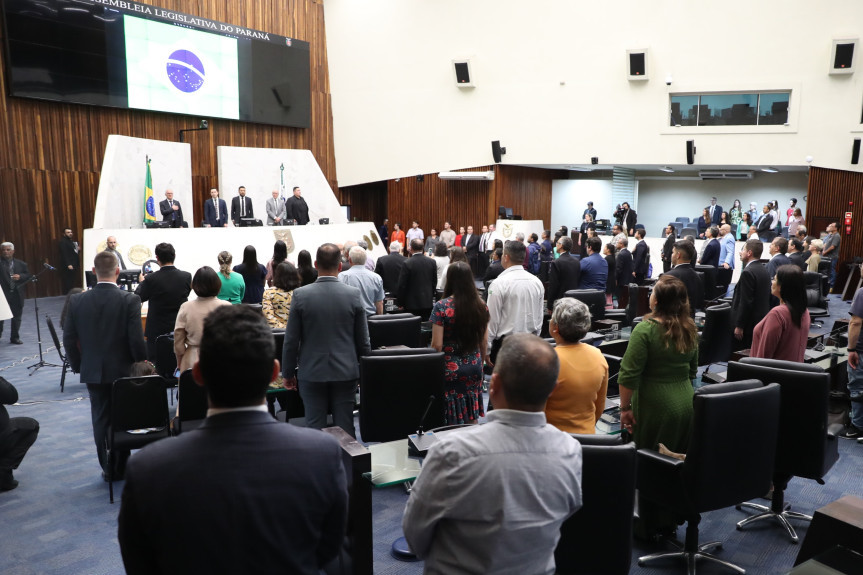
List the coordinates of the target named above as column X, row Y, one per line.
column 667, row 247
column 236, row 211
column 298, row 210
column 694, row 287
column 166, row 290
column 275, row 494
column 14, row 297
column 751, row 300
column 326, row 333
column 710, row 257
column 417, row 282
column 470, row 245
column 210, row 213
column 275, row 209
column 389, row 268
column 492, row 271
column 715, row 213
column 102, row 333
column 623, row 268
column 797, row 260
column 641, row 258
column 168, row 211
column 68, row 255
column 563, row 275
column 776, row 262
column 629, row 221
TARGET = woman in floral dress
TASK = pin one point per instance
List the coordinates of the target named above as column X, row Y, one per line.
column 460, row 330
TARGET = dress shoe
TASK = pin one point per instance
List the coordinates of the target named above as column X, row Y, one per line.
column 16, row 341
column 7, row 482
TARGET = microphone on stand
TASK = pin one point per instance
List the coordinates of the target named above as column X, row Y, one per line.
column 48, row 267
column 419, row 442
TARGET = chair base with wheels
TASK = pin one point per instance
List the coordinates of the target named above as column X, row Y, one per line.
column 691, row 551
column 778, row 510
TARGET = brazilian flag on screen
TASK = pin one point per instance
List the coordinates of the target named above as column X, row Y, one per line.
column 149, row 202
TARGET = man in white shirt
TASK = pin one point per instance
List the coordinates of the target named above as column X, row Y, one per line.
column 492, row 498
column 514, row 299
column 415, row 232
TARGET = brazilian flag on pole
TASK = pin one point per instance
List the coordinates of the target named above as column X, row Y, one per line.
column 149, row 202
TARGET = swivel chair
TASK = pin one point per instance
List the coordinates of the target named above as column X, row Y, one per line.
column 714, row 345
column 593, row 298
column 386, row 331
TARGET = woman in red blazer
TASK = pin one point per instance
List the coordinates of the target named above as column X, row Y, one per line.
column 398, row 236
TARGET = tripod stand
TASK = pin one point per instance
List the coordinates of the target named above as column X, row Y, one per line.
column 41, row 363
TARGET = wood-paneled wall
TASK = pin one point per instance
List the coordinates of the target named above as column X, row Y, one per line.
column 830, row 192
column 51, row 154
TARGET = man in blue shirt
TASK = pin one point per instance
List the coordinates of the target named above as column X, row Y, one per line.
column 594, row 268
column 726, row 247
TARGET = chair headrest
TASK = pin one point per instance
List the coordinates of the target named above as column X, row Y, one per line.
column 729, row 387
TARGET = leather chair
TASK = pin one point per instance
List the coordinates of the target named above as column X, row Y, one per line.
column 593, row 298
column 191, row 404
column 816, row 302
column 608, row 495
column 289, row 399
column 166, row 361
column 714, row 345
column 395, row 386
column 711, row 288
column 398, row 331
column 730, row 458
column 806, row 448
column 630, row 309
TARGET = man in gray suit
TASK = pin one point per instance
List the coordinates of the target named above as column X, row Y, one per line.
column 103, row 337
column 276, row 210
column 326, row 335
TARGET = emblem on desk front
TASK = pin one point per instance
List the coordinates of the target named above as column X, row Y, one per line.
column 368, row 243
column 507, row 230
column 285, row 236
column 139, row 254
column 375, row 238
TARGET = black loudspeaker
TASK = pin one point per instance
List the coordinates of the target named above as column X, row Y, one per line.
column 842, row 56
column 497, row 151
column 855, row 151
column 690, row 151
column 637, row 64
column 462, row 73
column 594, row 160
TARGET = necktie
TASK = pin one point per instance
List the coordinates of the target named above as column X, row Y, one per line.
column 216, row 205
column 173, row 214
column 243, row 210
column 482, row 243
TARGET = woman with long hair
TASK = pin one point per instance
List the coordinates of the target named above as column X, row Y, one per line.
column 736, row 213
column 723, row 219
column 609, row 251
column 784, row 331
column 457, row 255
column 397, row 236
column 280, row 254
column 253, row 274
column 703, row 223
column 743, row 226
column 458, row 238
column 233, row 286
column 308, row 273
column 795, row 221
column 276, row 304
column 655, row 382
column 460, row 330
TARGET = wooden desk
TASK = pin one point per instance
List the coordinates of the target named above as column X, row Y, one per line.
column 837, row 523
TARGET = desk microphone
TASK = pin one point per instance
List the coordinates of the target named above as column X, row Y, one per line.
column 419, row 442
column 48, row 267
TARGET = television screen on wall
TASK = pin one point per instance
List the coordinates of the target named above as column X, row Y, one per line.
column 123, row 54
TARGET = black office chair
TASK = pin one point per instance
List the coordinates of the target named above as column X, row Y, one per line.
column 166, row 361
column 399, row 331
column 608, row 493
column 59, row 345
column 395, row 386
column 191, row 404
column 137, row 404
column 593, row 298
column 289, row 399
column 816, row 302
column 806, row 448
column 730, row 458
column 714, row 344
column 711, row 289
column 257, row 307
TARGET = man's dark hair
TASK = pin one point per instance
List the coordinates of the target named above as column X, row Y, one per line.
column 594, row 244
column 498, row 253
column 781, row 245
column 241, row 188
column 417, row 245
column 295, row 188
column 165, row 253
column 673, row 229
column 612, row 249
column 206, row 282
column 527, row 368
column 515, row 250
column 67, row 228
column 566, row 243
column 686, row 249
column 796, row 244
column 328, row 257
column 639, row 233
column 755, row 246
column 533, row 237
column 286, row 276
column 440, row 249
column 236, row 356
column 498, row 244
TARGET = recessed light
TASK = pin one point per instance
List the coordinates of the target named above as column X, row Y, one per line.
column 579, row 169
column 666, row 169
column 770, row 170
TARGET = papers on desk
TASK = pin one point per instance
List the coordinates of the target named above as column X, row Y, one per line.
column 612, row 403
column 813, row 355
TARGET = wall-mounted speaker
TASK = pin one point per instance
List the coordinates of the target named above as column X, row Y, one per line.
column 855, row 151
column 497, row 151
column 636, row 64
column 690, row 151
column 463, row 76
column 842, row 56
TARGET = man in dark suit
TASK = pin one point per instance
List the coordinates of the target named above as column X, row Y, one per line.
column 17, row 434
column 389, row 267
column 590, row 211
column 241, row 206
column 623, row 266
column 297, row 208
column 681, row 257
column 171, row 211
column 670, row 238
column 326, row 335
column 166, row 290
column 417, row 282
column 273, row 497
column 778, row 249
column 470, row 243
column 796, row 255
column 103, row 338
column 384, row 232
column 715, row 211
column 640, row 258
column 751, row 300
column 495, row 268
column 69, row 267
column 563, row 273
column 710, row 255
column 215, row 211
column 13, row 278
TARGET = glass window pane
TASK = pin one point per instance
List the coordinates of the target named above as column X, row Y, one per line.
column 684, row 110
column 728, row 110
column 773, row 108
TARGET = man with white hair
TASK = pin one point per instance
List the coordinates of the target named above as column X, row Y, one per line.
column 390, row 266
column 346, row 247
column 370, row 284
column 13, row 275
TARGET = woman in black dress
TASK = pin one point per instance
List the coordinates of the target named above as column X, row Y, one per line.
column 253, row 274
column 611, row 283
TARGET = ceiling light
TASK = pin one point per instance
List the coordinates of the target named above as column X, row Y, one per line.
column 666, row 169
column 579, row 169
column 770, row 170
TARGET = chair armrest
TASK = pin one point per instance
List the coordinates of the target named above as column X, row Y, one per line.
column 659, row 476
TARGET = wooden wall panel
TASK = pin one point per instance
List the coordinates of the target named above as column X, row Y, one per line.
column 368, row 202
column 51, row 154
column 830, row 192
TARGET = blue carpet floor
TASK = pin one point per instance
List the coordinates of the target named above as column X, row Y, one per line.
column 59, row 520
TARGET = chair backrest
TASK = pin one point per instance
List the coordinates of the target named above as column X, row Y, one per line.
column 608, row 493
column 166, row 361
column 138, row 403
column 682, row 220
column 394, row 393
column 389, row 316
column 400, row 331
column 593, row 298
column 824, row 265
column 715, row 342
column 710, row 290
column 57, row 343
column 804, row 448
column 279, row 340
column 688, row 231
column 191, row 398
column 733, row 443
column 814, row 295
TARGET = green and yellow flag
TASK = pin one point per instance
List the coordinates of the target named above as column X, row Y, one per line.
column 149, row 202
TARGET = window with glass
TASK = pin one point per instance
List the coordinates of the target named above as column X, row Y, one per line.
column 730, row 109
